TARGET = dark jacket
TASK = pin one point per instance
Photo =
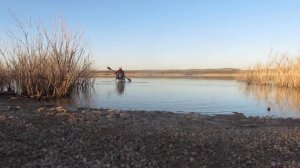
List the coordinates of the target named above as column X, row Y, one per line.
column 120, row 74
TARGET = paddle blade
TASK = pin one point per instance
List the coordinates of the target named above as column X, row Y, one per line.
column 129, row 80
column 109, row 68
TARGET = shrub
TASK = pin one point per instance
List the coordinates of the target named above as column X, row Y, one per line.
column 47, row 63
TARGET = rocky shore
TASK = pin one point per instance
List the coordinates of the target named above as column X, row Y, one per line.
column 43, row 134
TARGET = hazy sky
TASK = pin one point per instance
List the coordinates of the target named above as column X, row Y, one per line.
column 172, row 34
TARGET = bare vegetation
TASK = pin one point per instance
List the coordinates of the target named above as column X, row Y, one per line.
column 46, row 63
column 5, row 81
column 278, row 71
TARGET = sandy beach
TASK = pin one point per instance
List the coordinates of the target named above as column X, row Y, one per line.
column 43, row 134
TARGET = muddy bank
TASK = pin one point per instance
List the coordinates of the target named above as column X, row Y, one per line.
column 34, row 134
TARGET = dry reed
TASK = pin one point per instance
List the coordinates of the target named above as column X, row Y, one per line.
column 5, row 80
column 47, row 63
column 278, row 70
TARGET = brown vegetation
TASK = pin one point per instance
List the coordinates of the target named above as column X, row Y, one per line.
column 46, row 63
column 279, row 71
column 5, row 82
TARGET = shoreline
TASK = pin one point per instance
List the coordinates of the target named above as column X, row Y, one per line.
column 226, row 73
column 34, row 133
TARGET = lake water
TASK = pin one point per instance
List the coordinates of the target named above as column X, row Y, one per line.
column 191, row 95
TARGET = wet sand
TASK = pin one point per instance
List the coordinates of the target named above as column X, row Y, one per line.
column 43, row 134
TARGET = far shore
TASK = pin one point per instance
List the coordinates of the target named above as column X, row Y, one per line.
column 223, row 73
column 44, row 134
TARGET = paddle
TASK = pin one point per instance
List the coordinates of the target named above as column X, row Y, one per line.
column 129, row 80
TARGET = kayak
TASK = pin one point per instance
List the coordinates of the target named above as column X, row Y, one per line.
column 120, row 80
column 129, row 80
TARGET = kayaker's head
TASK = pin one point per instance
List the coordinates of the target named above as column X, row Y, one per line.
column 120, row 68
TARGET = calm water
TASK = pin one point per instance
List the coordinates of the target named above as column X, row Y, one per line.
column 191, row 95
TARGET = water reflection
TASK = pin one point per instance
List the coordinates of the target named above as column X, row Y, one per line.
column 120, row 87
column 189, row 95
column 275, row 98
column 78, row 95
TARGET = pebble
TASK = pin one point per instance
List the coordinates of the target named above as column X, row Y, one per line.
column 41, row 109
column 52, row 109
column 273, row 164
column 141, row 140
column 192, row 159
column 60, row 109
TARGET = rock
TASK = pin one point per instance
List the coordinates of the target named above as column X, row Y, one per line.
column 117, row 115
column 273, row 164
column 14, row 108
column 124, row 115
column 192, row 159
column 41, row 109
column 81, row 108
column 60, row 109
column 52, row 109
column 239, row 115
column 185, row 152
column 166, row 140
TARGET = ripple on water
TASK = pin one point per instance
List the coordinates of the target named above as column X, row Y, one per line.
column 190, row 95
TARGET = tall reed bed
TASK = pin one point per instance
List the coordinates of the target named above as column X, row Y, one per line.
column 278, row 71
column 43, row 62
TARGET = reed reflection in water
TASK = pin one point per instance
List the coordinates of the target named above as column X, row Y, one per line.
column 277, row 99
column 189, row 95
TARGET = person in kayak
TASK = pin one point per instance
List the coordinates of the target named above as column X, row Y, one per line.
column 120, row 74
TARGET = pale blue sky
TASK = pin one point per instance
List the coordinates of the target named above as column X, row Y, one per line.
column 172, row 34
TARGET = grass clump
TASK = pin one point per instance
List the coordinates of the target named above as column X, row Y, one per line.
column 46, row 63
column 280, row 70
